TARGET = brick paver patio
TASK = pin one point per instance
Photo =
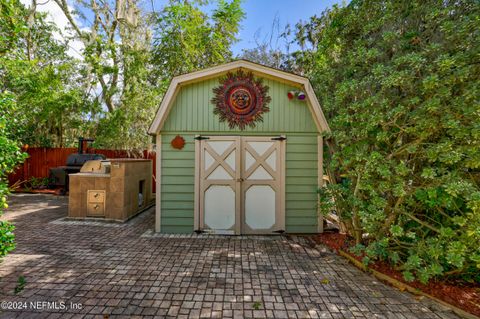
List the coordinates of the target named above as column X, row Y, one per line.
column 125, row 270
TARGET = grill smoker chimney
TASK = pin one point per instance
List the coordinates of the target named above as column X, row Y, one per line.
column 80, row 143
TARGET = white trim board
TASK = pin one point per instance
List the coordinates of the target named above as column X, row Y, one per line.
column 158, row 185
column 178, row 81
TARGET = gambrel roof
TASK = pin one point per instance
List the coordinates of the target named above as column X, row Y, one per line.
column 259, row 70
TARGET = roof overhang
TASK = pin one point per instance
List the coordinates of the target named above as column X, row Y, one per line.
column 258, row 69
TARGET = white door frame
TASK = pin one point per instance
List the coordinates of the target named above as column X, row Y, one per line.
column 204, row 184
column 277, row 184
column 239, row 189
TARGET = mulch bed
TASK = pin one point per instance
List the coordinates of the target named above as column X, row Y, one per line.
column 463, row 295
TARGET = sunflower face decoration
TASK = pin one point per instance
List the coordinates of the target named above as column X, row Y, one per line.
column 240, row 100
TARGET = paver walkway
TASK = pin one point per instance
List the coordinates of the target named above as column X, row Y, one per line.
column 123, row 270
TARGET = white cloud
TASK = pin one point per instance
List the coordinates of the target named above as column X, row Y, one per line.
column 56, row 15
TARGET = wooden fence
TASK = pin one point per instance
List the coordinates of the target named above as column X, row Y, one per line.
column 41, row 159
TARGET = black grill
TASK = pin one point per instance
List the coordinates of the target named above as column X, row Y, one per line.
column 59, row 175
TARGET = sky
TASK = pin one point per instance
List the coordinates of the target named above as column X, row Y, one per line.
column 260, row 15
column 256, row 26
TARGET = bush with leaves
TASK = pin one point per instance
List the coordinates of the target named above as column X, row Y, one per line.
column 12, row 26
column 400, row 84
column 10, row 156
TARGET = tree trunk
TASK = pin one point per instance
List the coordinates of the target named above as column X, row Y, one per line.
column 357, row 225
column 30, row 21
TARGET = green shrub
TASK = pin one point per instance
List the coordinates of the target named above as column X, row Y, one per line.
column 400, row 84
column 10, row 156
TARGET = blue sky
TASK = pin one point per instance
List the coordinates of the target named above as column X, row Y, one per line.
column 261, row 13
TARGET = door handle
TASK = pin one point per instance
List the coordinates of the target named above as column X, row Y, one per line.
column 240, row 180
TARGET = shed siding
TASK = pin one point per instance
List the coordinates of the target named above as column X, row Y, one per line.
column 178, row 171
column 192, row 111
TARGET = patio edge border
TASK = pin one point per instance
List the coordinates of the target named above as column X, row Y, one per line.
column 402, row 286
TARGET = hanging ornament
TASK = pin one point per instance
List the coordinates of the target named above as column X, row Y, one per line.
column 178, row 142
column 241, row 100
column 301, row 96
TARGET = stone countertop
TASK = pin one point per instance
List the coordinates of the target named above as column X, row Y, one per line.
column 91, row 174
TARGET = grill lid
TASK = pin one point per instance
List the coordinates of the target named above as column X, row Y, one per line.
column 80, row 159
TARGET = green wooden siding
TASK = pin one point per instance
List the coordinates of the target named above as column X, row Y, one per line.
column 178, row 171
column 192, row 111
column 301, row 183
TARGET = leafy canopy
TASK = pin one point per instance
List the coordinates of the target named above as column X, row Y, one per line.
column 400, row 84
column 44, row 79
column 188, row 39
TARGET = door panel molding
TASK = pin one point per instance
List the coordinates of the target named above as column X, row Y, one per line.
column 260, row 159
column 219, row 159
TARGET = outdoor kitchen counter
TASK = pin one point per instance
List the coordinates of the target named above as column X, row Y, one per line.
column 118, row 195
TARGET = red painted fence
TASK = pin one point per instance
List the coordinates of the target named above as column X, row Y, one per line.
column 41, row 159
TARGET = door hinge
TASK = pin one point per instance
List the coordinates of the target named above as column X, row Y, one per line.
column 199, row 231
column 199, row 138
column 279, row 231
column 279, row 138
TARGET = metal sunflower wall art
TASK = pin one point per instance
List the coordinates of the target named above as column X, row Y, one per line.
column 241, row 99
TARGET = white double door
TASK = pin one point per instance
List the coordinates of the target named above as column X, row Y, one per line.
column 240, row 181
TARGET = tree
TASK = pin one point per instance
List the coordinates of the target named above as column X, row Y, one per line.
column 116, row 66
column 45, row 81
column 115, row 31
column 399, row 82
column 262, row 54
column 187, row 39
column 111, row 92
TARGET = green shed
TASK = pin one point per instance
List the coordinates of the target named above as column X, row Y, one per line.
column 239, row 151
